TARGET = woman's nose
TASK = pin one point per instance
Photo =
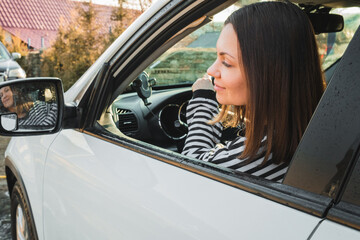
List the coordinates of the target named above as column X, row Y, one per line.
column 213, row 71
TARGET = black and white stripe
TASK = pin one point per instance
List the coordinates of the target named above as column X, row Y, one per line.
column 41, row 114
column 203, row 142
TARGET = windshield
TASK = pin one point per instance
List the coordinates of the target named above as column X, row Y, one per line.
column 332, row 45
column 4, row 54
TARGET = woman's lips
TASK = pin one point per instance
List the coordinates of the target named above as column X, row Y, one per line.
column 218, row 88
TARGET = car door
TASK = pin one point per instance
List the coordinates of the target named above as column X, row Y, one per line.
column 99, row 189
column 101, row 186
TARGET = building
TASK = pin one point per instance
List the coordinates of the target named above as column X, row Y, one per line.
column 36, row 22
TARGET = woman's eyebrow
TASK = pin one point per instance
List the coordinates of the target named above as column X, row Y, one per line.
column 225, row 53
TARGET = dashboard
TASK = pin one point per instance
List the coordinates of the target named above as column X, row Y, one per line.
column 161, row 122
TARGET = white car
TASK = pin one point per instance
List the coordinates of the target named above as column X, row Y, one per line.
column 109, row 166
column 9, row 68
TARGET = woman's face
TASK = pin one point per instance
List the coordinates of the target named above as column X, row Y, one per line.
column 230, row 82
column 6, row 96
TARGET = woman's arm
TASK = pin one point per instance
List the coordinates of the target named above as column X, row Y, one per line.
column 203, row 139
column 41, row 114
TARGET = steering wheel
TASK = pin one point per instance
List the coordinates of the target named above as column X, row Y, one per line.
column 182, row 115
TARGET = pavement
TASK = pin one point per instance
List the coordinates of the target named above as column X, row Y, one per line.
column 5, row 223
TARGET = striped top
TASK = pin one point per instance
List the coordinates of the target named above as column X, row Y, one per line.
column 203, row 141
column 40, row 115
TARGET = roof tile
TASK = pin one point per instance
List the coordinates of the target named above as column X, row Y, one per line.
column 41, row 18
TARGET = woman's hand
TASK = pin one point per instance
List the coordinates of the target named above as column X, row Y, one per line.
column 203, row 83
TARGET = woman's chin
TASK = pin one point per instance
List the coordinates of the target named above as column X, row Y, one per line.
column 220, row 99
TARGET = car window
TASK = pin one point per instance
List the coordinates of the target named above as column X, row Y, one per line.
column 4, row 54
column 189, row 59
column 332, row 45
column 180, row 66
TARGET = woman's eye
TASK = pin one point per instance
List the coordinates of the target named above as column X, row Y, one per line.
column 226, row 64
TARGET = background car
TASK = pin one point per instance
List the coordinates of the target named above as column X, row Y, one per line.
column 111, row 168
column 9, row 68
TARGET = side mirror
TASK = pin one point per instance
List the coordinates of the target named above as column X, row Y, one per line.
column 31, row 106
column 15, row 55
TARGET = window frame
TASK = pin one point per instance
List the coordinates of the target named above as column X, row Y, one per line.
column 344, row 212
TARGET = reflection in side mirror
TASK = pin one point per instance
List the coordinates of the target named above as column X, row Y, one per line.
column 16, row 55
column 9, row 122
column 3, row 77
column 31, row 106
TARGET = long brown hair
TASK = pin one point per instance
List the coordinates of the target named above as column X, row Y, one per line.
column 282, row 68
column 22, row 102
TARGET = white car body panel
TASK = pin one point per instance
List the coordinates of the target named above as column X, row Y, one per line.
column 333, row 231
column 94, row 189
column 29, row 154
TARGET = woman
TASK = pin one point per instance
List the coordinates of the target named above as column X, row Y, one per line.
column 30, row 114
column 268, row 78
column 19, row 104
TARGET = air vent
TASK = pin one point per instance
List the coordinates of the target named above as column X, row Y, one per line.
column 127, row 122
column 122, row 111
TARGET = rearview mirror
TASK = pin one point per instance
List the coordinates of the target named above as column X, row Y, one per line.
column 326, row 23
column 31, row 106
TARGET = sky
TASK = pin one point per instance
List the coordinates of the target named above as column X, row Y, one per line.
column 106, row 2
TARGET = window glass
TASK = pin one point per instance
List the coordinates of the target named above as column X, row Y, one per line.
column 189, row 59
column 332, row 45
column 4, row 54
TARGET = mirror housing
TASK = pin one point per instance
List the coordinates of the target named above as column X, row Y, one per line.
column 32, row 106
column 16, row 55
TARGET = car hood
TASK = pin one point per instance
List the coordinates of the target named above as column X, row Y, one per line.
column 8, row 64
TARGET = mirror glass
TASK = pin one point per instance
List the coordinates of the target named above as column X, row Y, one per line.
column 28, row 106
column 9, row 121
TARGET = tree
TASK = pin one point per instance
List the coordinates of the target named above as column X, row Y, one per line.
column 76, row 47
column 144, row 4
column 118, row 15
column 122, row 17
